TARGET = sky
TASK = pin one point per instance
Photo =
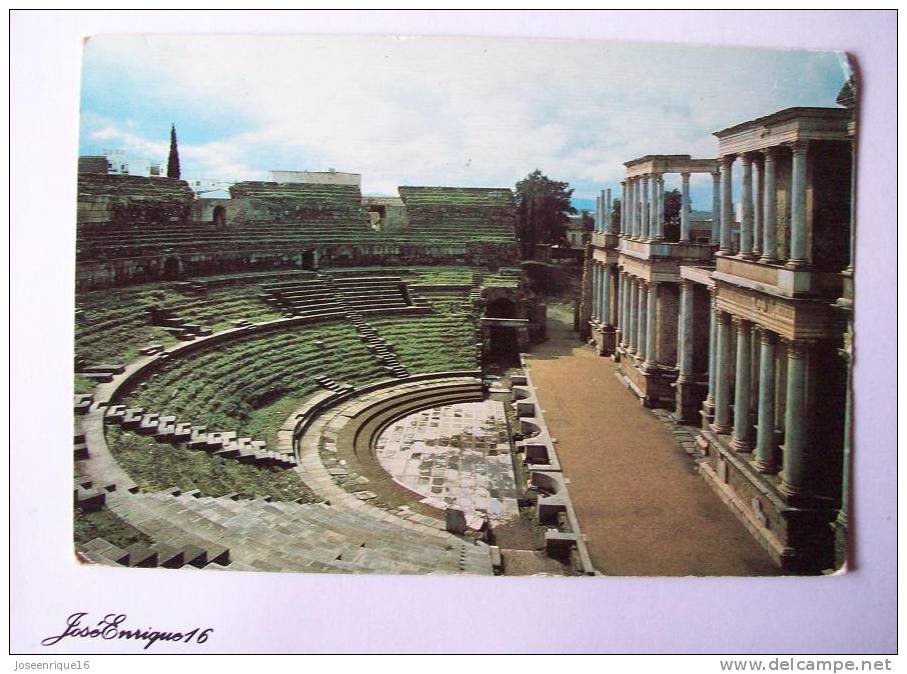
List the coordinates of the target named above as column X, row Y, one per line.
column 471, row 112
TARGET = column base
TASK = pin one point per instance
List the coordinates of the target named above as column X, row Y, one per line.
column 605, row 337
column 796, row 265
column 745, row 256
column 742, row 446
column 653, row 386
column 721, row 429
column 687, row 401
column 768, row 260
column 799, row 537
column 764, row 467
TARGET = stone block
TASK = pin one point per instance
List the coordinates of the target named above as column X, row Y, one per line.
column 169, row 558
column 89, row 500
column 455, row 521
column 141, row 556
column 195, row 556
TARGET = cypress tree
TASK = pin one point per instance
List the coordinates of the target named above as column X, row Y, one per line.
column 173, row 161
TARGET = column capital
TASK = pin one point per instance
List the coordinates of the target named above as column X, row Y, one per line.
column 686, row 283
column 727, row 160
column 766, row 336
column 685, row 175
column 623, row 182
column 770, row 153
column 746, row 159
column 740, row 324
column 797, row 347
column 799, row 146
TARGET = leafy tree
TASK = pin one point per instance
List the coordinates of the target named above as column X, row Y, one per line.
column 672, row 215
column 672, row 207
column 173, row 161
column 543, row 207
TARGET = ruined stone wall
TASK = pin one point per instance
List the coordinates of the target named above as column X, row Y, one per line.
column 116, row 272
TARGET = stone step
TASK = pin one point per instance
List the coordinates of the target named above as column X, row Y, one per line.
column 101, row 551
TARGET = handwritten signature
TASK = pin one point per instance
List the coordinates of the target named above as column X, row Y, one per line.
column 111, row 627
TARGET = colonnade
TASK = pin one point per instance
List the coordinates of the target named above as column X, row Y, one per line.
column 643, row 214
column 749, row 367
column 603, row 209
column 759, row 206
column 604, row 293
column 637, row 318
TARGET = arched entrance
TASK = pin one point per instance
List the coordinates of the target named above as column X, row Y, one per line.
column 171, row 269
column 219, row 217
column 309, row 261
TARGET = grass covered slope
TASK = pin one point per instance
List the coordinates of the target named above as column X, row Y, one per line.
column 432, row 343
column 250, row 385
column 156, row 466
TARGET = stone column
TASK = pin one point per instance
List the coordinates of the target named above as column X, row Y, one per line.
column 794, row 470
column 685, row 207
column 766, row 456
column 722, row 423
column 642, row 320
column 623, row 207
column 628, row 304
column 708, row 406
column 746, row 202
column 759, row 209
column 632, row 196
column 633, row 310
column 656, row 231
column 716, row 207
column 621, row 295
column 598, row 214
column 798, row 255
column 645, row 209
column 770, row 210
column 608, row 225
column 845, row 477
column 596, row 290
column 727, row 205
column 651, row 322
column 742, row 438
column 685, row 407
column 605, row 298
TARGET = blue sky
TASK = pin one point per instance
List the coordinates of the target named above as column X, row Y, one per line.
column 432, row 111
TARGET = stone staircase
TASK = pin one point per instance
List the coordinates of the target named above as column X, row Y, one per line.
column 312, row 297
column 176, row 326
column 157, row 555
column 332, row 385
column 381, row 350
column 283, row 536
column 224, row 444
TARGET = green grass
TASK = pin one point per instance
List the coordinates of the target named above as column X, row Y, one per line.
column 238, row 386
column 432, row 343
column 82, row 384
column 104, row 524
column 156, row 466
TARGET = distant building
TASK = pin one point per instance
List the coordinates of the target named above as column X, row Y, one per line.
column 577, row 234
column 119, row 163
column 329, row 177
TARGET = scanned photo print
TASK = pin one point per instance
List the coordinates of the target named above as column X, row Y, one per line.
column 432, row 305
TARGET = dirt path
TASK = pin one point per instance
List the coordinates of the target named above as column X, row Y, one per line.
column 644, row 509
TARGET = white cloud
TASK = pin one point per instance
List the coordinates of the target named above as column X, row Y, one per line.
column 456, row 111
